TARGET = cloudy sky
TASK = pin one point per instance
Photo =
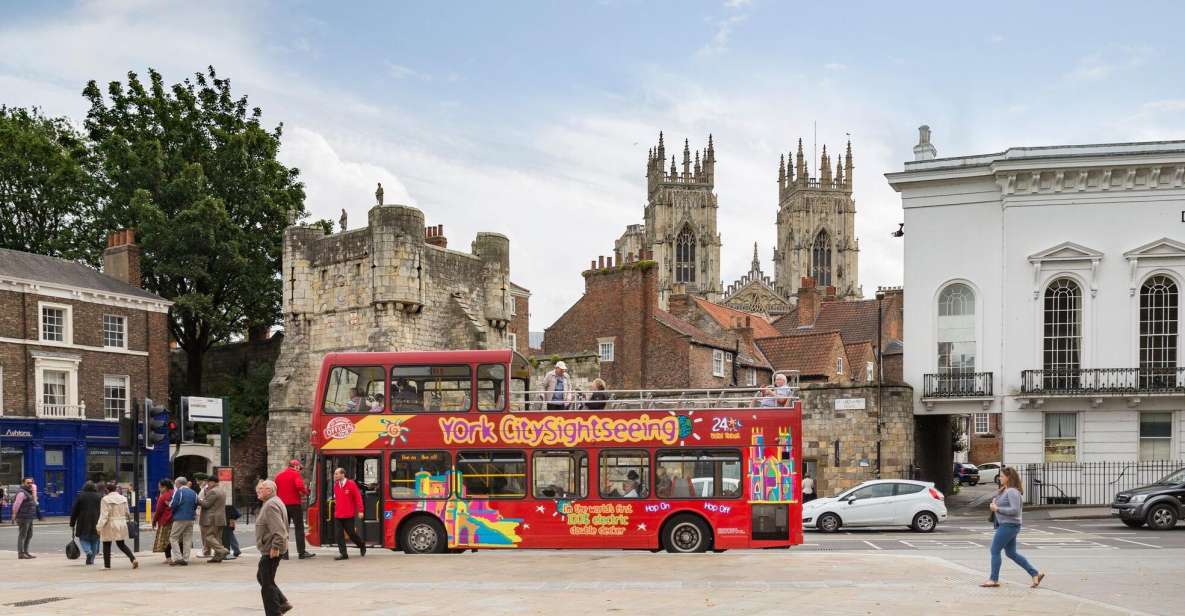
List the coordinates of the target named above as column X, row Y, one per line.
column 534, row 119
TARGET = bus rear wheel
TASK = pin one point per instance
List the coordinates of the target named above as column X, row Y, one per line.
column 423, row 535
column 686, row 534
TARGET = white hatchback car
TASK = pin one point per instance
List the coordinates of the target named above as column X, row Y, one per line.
column 884, row 502
column 990, row 472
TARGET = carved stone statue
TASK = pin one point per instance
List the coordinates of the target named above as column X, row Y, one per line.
column 378, row 194
column 342, row 221
column 291, row 217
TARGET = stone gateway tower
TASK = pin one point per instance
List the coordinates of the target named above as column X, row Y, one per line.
column 680, row 223
column 817, row 226
column 391, row 286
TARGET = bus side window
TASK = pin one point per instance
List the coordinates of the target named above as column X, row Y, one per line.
column 625, row 473
column 491, row 387
column 560, row 474
column 492, row 474
column 354, row 389
column 698, row 473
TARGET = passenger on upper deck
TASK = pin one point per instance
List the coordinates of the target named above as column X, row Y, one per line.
column 557, row 388
column 356, row 401
column 782, row 389
column 598, row 398
column 765, row 397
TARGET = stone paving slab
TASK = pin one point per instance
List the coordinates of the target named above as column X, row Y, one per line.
column 538, row 582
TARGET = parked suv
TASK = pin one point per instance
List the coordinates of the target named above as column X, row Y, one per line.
column 966, row 473
column 1158, row 505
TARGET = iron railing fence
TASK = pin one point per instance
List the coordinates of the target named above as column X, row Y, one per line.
column 957, row 385
column 1088, row 483
column 1114, row 381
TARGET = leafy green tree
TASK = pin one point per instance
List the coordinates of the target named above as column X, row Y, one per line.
column 48, row 197
column 192, row 169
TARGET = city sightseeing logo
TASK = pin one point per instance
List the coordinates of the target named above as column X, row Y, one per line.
column 338, row 428
column 565, row 431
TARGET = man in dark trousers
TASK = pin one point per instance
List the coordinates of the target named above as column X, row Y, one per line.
column 291, row 490
column 347, row 505
column 271, row 537
column 25, row 509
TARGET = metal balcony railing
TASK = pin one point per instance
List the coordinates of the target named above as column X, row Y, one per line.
column 61, row 411
column 1103, row 381
column 957, row 385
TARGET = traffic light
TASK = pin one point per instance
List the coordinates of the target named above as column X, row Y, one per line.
column 155, row 424
column 127, row 429
column 174, row 430
column 187, row 429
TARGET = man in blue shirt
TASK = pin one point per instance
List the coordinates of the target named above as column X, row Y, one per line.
column 184, row 505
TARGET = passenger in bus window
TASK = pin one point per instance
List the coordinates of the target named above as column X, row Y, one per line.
column 355, row 402
column 662, row 483
column 405, row 397
column 629, row 488
column 375, row 403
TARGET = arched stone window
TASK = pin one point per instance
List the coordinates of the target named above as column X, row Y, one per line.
column 685, row 256
column 1062, row 335
column 821, row 259
column 1158, row 332
column 956, row 337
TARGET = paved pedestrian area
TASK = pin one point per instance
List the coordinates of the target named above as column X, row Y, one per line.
column 539, row 582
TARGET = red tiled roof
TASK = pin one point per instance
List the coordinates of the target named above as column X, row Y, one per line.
column 856, row 320
column 787, row 324
column 749, row 356
column 728, row 317
column 811, row 353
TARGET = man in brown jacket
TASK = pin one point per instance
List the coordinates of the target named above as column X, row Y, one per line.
column 271, row 537
column 213, row 519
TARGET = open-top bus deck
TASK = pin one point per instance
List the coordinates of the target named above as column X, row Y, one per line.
column 452, row 450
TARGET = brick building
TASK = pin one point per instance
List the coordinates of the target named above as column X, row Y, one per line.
column 77, row 348
column 393, row 285
column 696, row 344
column 520, row 320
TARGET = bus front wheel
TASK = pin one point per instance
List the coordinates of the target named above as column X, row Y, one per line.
column 685, row 534
column 423, row 535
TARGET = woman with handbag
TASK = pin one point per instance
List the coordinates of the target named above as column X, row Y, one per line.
column 113, row 525
column 1006, row 517
column 84, row 519
column 162, row 520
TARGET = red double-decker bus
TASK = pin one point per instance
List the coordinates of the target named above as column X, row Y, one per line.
column 453, row 451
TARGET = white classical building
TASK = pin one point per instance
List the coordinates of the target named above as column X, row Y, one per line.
column 1045, row 285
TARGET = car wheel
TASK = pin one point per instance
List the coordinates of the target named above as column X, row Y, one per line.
column 974, row 483
column 1162, row 517
column 924, row 522
column 996, row 480
column 829, row 523
column 1133, row 523
column 423, row 535
column 686, row 534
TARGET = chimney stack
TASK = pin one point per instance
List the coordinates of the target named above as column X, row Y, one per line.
column 121, row 259
column 435, row 236
column 808, row 302
column 924, row 150
column 679, row 303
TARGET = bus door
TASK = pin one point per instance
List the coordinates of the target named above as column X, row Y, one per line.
column 366, row 471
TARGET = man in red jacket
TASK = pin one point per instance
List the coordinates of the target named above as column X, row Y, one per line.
column 292, row 492
column 347, row 505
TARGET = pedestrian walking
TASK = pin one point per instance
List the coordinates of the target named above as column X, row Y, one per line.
column 1006, row 517
column 183, row 505
column 113, row 525
column 347, row 505
column 162, row 521
column 84, row 519
column 200, row 482
column 213, row 518
column 271, row 537
column 808, row 488
column 291, row 490
column 228, row 534
column 25, row 509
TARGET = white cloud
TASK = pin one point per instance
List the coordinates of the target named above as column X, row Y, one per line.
column 723, row 33
column 1103, row 64
column 835, row 66
column 736, row 4
column 401, row 72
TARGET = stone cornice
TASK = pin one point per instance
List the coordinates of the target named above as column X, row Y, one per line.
column 1045, row 180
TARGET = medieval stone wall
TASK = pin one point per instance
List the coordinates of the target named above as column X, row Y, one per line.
column 854, row 434
column 379, row 288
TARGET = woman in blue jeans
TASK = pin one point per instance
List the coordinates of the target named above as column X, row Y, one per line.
column 1006, row 509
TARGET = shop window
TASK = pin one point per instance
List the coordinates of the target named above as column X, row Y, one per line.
column 354, row 389
column 12, row 467
column 492, row 474
column 692, row 473
column 560, row 474
column 434, row 389
column 625, row 473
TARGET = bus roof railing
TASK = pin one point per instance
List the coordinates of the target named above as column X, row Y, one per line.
column 655, row 399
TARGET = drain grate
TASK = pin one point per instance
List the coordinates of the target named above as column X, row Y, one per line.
column 32, row 602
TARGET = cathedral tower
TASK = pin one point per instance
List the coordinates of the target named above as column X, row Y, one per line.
column 817, row 226
column 680, row 222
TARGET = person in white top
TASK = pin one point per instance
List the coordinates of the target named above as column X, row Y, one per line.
column 808, row 489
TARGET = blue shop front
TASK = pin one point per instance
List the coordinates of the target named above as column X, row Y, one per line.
column 62, row 454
